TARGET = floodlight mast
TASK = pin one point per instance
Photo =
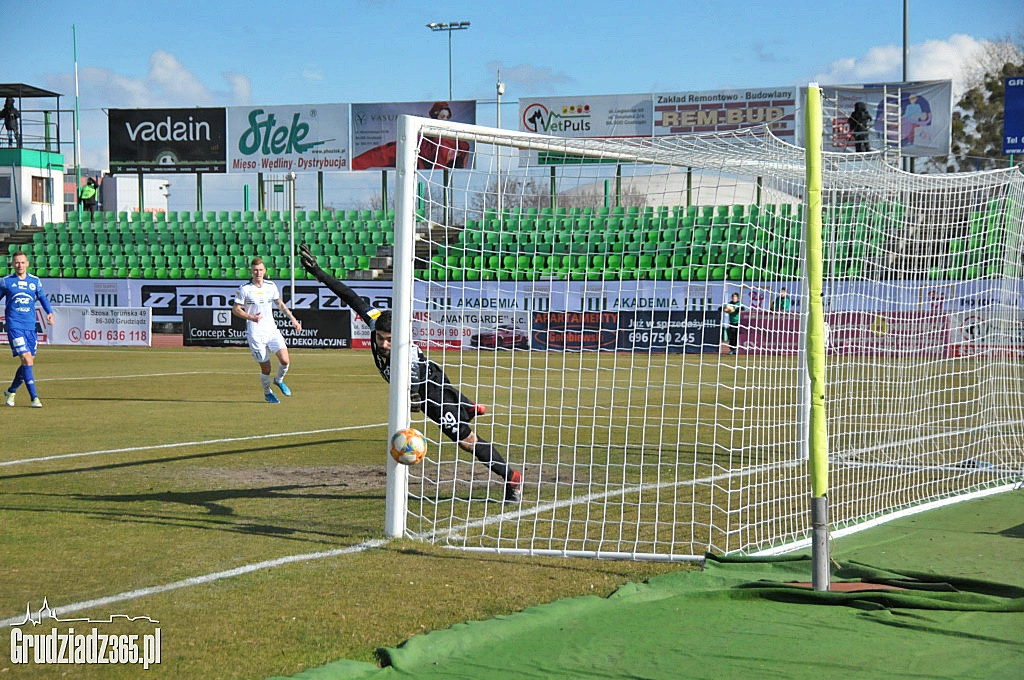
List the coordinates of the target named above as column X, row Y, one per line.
column 449, row 26
column 500, row 89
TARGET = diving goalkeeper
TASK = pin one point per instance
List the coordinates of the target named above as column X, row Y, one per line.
column 432, row 391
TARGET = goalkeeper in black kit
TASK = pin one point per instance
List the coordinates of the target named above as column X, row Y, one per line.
column 432, row 391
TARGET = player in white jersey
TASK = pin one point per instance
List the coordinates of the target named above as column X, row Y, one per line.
column 255, row 302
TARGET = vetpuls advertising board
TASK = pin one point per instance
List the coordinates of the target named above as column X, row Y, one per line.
column 626, row 115
column 301, row 138
column 664, row 113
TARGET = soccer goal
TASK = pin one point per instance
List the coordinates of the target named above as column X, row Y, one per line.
column 581, row 289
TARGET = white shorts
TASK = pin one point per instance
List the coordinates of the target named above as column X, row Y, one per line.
column 265, row 345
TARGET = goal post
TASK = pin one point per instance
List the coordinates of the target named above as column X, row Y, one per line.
column 401, row 335
column 582, row 290
column 814, row 340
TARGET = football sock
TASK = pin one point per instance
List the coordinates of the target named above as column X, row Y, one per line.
column 19, row 377
column 265, row 381
column 30, row 381
column 486, row 453
column 281, row 370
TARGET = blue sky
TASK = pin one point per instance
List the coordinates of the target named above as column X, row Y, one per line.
column 150, row 53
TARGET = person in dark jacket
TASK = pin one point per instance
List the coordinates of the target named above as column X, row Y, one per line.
column 432, row 391
column 860, row 125
column 9, row 115
column 87, row 196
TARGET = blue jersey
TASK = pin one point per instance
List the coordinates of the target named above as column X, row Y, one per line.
column 21, row 296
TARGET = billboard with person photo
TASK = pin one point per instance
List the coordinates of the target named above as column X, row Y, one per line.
column 915, row 116
column 375, row 129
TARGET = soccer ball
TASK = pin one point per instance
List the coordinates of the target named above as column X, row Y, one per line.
column 408, row 446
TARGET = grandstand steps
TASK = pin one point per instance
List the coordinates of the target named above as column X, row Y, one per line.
column 17, row 237
column 429, row 236
column 381, row 266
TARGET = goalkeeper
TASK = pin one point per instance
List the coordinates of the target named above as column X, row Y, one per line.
column 431, row 389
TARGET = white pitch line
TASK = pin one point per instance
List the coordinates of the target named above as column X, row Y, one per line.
column 136, row 375
column 153, row 447
column 240, row 371
column 204, row 579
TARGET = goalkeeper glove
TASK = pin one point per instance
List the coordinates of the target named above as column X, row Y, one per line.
column 309, row 262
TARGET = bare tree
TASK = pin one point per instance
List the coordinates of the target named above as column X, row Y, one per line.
column 978, row 114
column 531, row 191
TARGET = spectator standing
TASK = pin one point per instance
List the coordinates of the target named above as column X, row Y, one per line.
column 87, row 196
column 9, row 115
column 782, row 303
column 732, row 310
column 860, row 126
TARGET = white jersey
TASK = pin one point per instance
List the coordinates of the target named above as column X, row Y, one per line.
column 259, row 300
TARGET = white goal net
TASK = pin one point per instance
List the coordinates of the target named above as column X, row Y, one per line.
column 581, row 290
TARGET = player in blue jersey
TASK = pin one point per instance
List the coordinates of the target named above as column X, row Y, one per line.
column 432, row 391
column 21, row 291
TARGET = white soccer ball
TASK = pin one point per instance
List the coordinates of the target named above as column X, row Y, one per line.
column 408, row 446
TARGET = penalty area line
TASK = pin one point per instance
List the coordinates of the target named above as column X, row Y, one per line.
column 205, row 442
column 203, row 580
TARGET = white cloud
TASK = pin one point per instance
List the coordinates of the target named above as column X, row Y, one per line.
column 170, row 79
column 312, row 74
column 240, row 88
column 931, row 60
column 529, row 79
column 168, row 83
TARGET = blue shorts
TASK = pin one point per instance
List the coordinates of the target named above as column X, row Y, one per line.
column 22, row 341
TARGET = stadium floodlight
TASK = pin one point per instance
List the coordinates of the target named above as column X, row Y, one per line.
column 449, row 26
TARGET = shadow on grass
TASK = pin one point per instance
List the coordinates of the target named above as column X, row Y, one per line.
column 565, row 564
column 219, row 516
column 173, row 459
column 158, row 400
column 211, row 500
